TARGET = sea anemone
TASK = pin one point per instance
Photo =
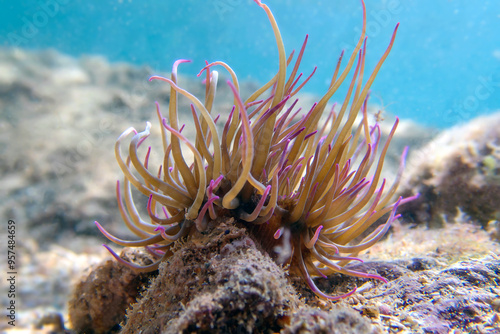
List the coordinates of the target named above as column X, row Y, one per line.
column 307, row 188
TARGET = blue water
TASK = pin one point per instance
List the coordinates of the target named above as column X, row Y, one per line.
column 444, row 68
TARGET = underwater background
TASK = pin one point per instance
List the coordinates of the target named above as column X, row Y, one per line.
column 444, row 68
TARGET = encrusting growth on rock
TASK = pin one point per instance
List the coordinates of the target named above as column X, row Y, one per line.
column 99, row 301
column 215, row 282
column 457, row 174
column 221, row 281
column 338, row 321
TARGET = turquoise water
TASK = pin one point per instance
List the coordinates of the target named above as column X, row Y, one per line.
column 444, row 68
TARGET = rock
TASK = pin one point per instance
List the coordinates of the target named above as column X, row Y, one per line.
column 340, row 320
column 99, row 301
column 215, row 283
column 459, row 171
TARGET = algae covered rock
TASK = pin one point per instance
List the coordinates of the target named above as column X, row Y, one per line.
column 339, row 320
column 99, row 301
column 215, row 283
column 220, row 281
column 459, row 171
